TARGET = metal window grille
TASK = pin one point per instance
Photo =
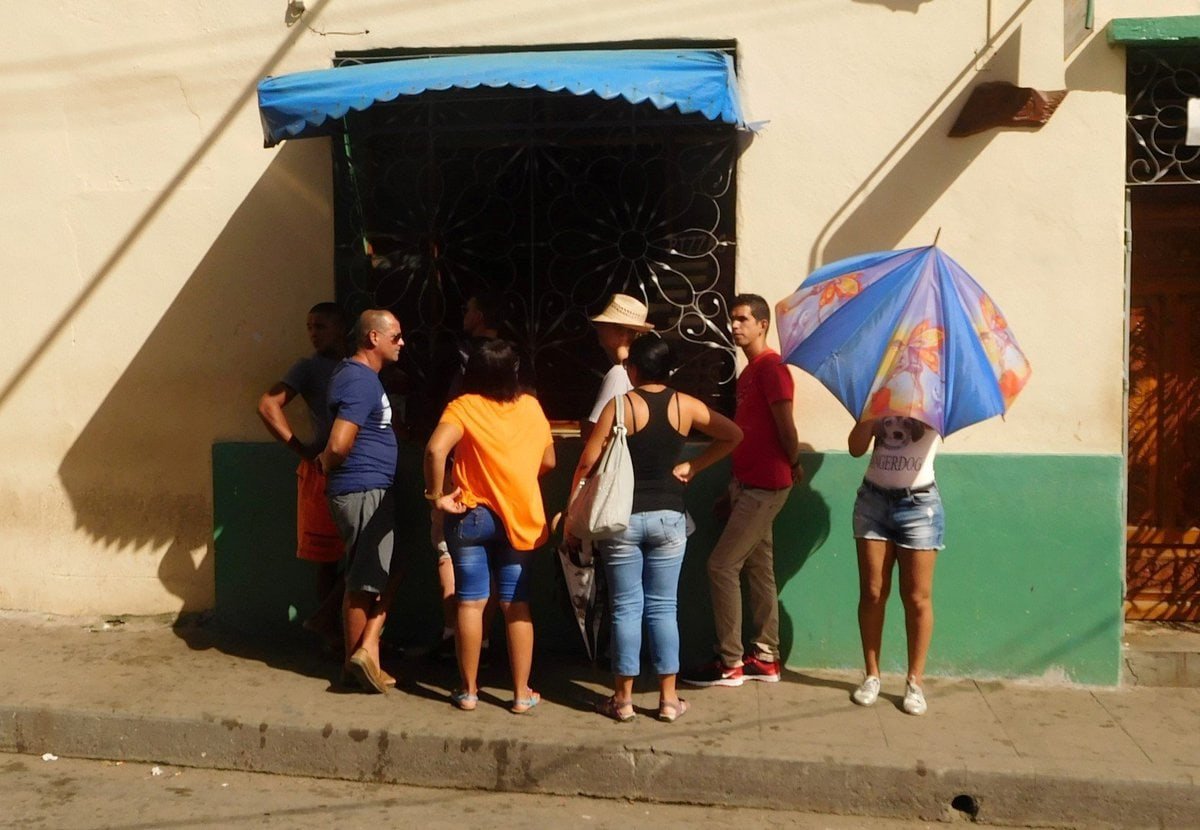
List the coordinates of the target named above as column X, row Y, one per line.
column 555, row 201
column 1159, row 83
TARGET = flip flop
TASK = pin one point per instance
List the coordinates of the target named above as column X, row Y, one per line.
column 464, row 700
column 670, row 712
column 524, row 705
column 610, row 707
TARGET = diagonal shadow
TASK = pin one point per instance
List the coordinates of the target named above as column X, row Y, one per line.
column 920, row 166
column 58, row 325
column 137, row 480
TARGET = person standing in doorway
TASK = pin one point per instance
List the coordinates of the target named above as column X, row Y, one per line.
column 317, row 537
column 765, row 465
column 360, row 460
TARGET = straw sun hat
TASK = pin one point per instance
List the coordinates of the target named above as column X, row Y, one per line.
column 623, row 310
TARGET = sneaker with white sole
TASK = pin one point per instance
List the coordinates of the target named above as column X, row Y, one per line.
column 756, row 668
column 715, row 673
column 868, row 692
column 914, row 698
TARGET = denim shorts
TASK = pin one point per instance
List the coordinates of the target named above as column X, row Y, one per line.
column 479, row 549
column 911, row 519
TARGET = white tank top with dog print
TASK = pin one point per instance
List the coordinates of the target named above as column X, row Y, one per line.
column 903, row 453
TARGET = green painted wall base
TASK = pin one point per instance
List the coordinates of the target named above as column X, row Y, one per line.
column 1030, row 584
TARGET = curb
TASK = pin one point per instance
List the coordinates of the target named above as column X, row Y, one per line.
column 1029, row 796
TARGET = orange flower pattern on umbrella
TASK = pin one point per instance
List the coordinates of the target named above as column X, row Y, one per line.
column 911, row 366
column 1012, row 369
column 839, row 289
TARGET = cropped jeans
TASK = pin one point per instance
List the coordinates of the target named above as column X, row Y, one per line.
column 642, row 564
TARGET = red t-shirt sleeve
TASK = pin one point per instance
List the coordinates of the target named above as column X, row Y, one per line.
column 777, row 383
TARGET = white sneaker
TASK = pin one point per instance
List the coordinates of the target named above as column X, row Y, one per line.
column 914, row 698
column 868, row 692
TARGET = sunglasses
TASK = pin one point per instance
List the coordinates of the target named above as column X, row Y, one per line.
column 395, row 338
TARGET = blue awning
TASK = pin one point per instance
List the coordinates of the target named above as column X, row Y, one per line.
column 693, row 80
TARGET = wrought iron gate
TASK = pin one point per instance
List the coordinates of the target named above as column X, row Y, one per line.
column 556, row 201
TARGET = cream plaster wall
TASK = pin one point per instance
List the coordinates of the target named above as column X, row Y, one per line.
column 158, row 262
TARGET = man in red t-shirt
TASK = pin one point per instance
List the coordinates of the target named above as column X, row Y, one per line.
column 765, row 465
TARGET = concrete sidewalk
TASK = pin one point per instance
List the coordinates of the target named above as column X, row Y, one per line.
column 1011, row 753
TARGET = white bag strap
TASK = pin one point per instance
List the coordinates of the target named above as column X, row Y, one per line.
column 619, row 415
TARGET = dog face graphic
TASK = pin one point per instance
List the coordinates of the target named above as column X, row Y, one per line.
column 895, row 433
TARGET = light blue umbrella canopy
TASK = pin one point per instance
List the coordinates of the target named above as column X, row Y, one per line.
column 906, row 333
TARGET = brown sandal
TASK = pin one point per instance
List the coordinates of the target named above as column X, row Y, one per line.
column 610, row 707
column 670, row 712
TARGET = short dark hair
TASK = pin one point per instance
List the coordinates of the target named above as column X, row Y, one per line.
column 758, row 306
column 492, row 371
column 490, row 305
column 653, row 359
column 331, row 310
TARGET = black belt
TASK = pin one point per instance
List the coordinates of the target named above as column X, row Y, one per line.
column 898, row 492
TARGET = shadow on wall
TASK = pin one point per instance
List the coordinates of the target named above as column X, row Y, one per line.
column 1097, row 67
column 139, row 473
column 808, row 511
column 917, row 179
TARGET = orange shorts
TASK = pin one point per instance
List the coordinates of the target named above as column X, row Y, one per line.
column 317, row 537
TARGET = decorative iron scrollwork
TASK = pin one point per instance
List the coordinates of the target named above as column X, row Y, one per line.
column 556, row 201
column 1160, row 82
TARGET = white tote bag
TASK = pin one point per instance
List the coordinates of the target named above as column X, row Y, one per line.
column 605, row 499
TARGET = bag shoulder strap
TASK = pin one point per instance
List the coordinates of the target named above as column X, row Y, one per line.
column 619, row 415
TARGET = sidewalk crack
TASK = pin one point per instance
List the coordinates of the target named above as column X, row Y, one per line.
column 999, row 720
column 1121, row 726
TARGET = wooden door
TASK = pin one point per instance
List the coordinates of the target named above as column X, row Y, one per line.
column 1163, row 547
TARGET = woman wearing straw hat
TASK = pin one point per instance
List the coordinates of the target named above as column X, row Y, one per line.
column 622, row 320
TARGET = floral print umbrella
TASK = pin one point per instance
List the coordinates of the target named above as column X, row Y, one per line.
column 905, row 333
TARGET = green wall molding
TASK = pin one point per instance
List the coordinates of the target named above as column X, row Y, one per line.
column 1155, row 31
column 1030, row 583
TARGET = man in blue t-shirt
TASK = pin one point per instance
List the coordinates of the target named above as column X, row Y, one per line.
column 317, row 538
column 360, row 460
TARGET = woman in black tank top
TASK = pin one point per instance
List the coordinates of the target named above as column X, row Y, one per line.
column 642, row 563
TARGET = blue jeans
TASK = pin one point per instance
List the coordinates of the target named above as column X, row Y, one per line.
column 909, row 519
column 479, row 546
column 642, row 564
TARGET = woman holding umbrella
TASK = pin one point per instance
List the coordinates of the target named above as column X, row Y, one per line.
column 915, row 349
column 898, row 518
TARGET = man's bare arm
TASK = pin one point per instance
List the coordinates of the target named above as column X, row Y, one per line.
column 341, row 440
column 270, row 410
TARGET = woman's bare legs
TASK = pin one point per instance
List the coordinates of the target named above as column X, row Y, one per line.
column 468, row 637
column 916, row 591
column 518, row 626
column 875, row 560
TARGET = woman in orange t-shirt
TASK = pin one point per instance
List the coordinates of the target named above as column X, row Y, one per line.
column 494, row 518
